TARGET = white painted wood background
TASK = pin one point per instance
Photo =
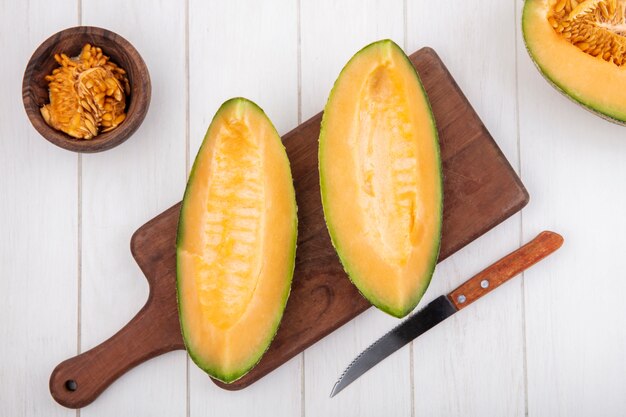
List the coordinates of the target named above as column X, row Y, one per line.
column 551, row 343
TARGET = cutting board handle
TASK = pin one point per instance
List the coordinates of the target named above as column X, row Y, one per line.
column 78, row 381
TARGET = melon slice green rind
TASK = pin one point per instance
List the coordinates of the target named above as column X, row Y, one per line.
column 229, row 337
column 591, row 82
column 357, row 263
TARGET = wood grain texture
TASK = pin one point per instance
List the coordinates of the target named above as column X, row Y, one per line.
column 505, row 269
column 474, row 364
column 331, row 33
column 122, row 188
column 243, row 48
column 38, row 222
column 70, row 42
column 486, row 192
column 575, row 311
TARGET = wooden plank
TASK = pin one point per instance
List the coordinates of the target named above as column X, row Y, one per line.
column 123, row 186
column 38, row 256
column 575, row 311
column 243, row 48
column 331, row 33
column 473, row 365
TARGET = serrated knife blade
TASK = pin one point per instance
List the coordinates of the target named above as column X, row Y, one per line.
column 434, row 313
column 446, row 305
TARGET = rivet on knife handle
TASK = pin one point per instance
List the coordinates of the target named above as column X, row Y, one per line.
column 505, row 269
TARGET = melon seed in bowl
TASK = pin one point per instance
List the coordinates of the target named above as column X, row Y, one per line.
column 87, row 94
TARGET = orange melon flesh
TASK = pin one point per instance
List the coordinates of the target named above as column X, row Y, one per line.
column 236, row 242
column 380, row 176
column 567, row 58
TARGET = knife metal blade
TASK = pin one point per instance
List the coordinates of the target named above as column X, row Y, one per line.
column 434, row 313
column 444, row 306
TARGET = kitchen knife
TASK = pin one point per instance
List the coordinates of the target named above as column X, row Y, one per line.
column 444, row 306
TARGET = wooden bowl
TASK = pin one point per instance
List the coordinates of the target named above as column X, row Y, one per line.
column 70, row 41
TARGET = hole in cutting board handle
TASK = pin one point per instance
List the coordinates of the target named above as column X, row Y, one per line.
column 71, row 385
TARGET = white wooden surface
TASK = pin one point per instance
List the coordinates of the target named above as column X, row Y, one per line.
column 552, row 343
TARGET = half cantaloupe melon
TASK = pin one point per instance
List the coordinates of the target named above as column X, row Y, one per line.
column 236, row 243
column 580, row 48
column 380, row 176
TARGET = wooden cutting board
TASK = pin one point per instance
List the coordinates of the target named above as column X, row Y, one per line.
column 480, row 191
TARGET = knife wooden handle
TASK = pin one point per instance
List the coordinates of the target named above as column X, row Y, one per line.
column 506, row 268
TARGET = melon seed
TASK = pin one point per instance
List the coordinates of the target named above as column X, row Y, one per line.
column 596, row 27
column 87, row 94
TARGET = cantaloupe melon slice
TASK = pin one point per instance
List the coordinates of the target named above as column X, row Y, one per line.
column 380, row 175
column 580, row 48
column 236, row 242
